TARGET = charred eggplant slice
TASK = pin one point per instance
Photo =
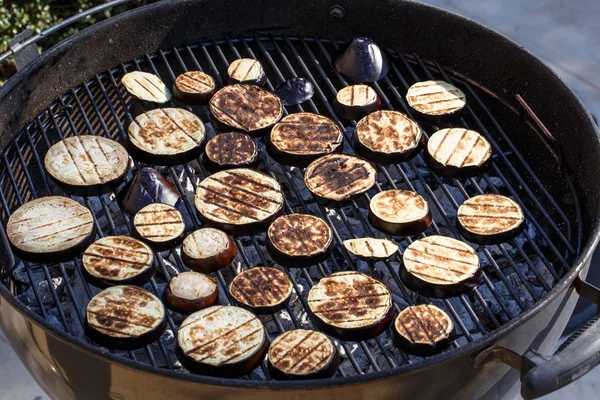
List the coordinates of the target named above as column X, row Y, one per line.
column 295, row 91
column 190, row 291
column 231, row 150
column 262, row 290
column 423, row 330
column 50, row 228
column 302, row 354
column 489, row 219
column 436, row 101
column 146, row 86
column 458, row 153
column 399, row 212
column 362, row 61
column 441, row 267
column 245, row 108
column 87, row 165
column 356, row 101
column 223, row 341
column 371, row 249
column 350, row 306
column 194, row 87
column 159, row 225
column 118, row 260
column 387, row 137
column 147, row 186
column 299, row 139
column 239, row 201
column 337, row 178
column 166, row 136
column 208, row 250
column 246, row 70
column 299, row 240
column 125, row 318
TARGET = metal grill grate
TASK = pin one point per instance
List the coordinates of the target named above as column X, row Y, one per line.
column 516, row 274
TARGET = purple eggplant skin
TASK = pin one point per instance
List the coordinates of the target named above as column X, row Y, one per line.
column 386, row 158
column 159, row 246
column 242, row 230
column 326, row 372
column 295, row 91
column 147, row 186
column 235, row 370
column 289, row 261
column 187, row 306
column 260, row 81
column 428, row 289
column 138, row 280
column 211, row 264
column 421, row 349
column 356, row 334
column 128, row 343
column 489, row 239
column 362, row 61
column 401, row 229
column 355, row 112
column 449, row 171
column 297, row 160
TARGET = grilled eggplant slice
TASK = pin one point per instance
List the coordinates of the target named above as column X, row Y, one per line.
column 423, row 330
column 489, row 219
column 295, row 91
column 125, row 318
column 239, row 201
column 118, row 260
column 231, row 150
column 262, row 290
column 246, row 70
column 159, row 225
column 190, row 291
column 337, row 178
column 87, row 165
column 458, row 153
column 302, row 354
column 194, row 87
column 371, row 249
column 436, row 101
column 356, row 101
column 166, row 136
column 223, row 341
column 299, row 139
column 52, row 228
column 299, row 240
column 350, row 306
column 147, row 186
column 439, row 266
column 399, row 212
column 387, row 137
column 146, row 86
column 208, row 250
column 362, row 61
column 245, row 108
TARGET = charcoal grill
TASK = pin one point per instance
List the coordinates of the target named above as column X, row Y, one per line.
column 539, row 132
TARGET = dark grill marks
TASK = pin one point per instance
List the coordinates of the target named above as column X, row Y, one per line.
column 117, row 258
column 145, row 86
column 159, row 222
column 388, row 132
column 490, row 214
column 302, row 352
column 195, row 82
column 261, row 287
column 306, row 133
column 424, row 324
column 443, row 99
column 231, row 148
column 460, row 148
column 300, row 234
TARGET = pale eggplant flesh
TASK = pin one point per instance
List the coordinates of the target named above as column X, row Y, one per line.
column 355, row 101
column 230, row 150
column 194, row 87
column 362, row 61
column 295, row 91
column 371, row 249
column 399, row 212
column 208, row 250
column 436, row 101
column 147, row 186
column 146, row 87
column 247, row 71
column 262, row 290
column 190, row 291
column 161, row 226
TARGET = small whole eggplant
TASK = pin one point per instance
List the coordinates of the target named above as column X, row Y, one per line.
column 362, row 61
column 295, row 91
column 147, row 186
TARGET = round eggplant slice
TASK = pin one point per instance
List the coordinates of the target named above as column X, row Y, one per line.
column 190, row 291
column 299, row 139
column 489, row 219
column 436, row 101
column 356, row 101
column 441, row 267
column 147, row 87
column 337, row 178
column 387, row 137
column 302, row 354
column 87, row 165
column 362, row 61
column 299, row 240
column 147, row 186
column 350, row 306
column 423, row 330
column 458, row 153
column 399, row 212
column 208, row 250
column 371, row 249
column 231, row 150
column 239, row 201
column 262, row 290
column 223, row 341
column 125, row 318
column 118, row 260
column 194, row 87
column 246, row 70
column 50, row 228
column 245, row 108
column 295, row 91
column 166, row 136
column 159, row 225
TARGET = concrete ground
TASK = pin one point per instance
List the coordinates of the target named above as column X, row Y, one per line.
column 563, row 33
